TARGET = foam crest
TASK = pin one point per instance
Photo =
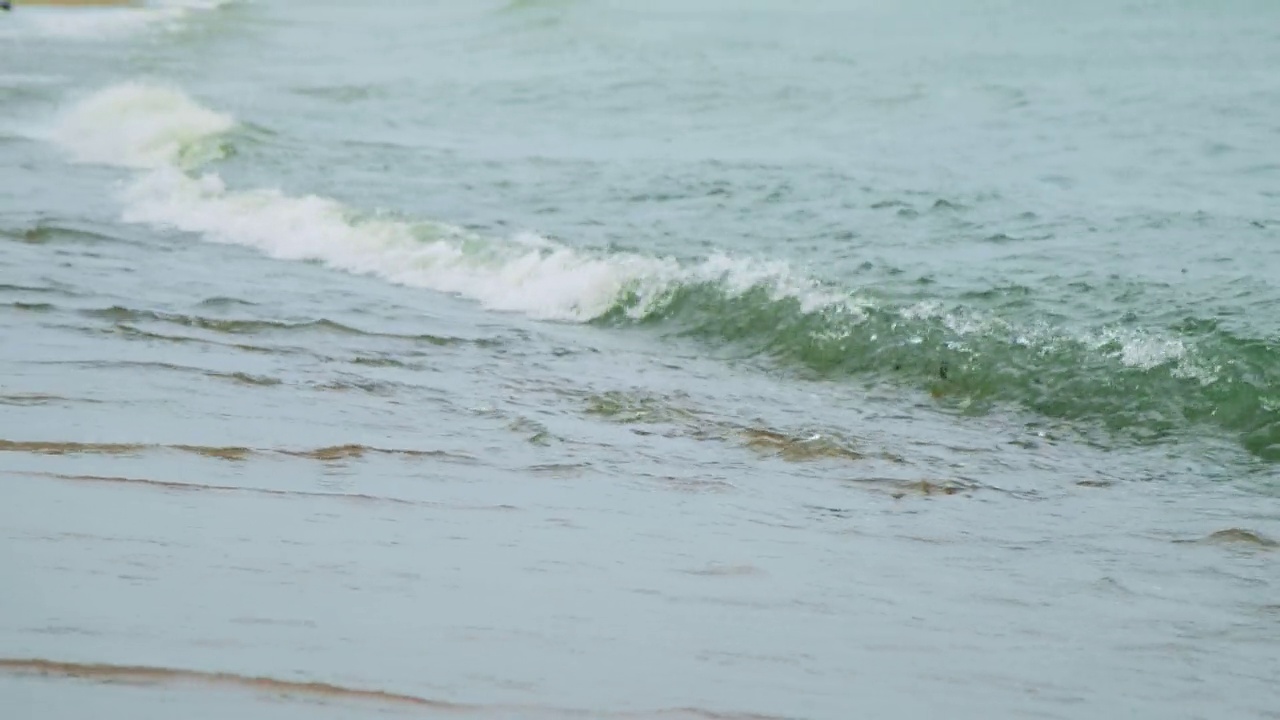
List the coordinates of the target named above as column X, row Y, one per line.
column 141, row 126
column 543, row 280
column 100, row 23
column 164, row 132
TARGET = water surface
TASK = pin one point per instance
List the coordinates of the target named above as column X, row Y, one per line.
column 564, row 359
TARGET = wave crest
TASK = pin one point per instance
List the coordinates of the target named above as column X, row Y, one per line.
column 1143, row 385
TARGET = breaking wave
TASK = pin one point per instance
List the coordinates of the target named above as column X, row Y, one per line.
column 1142, row 384
column 32, row 21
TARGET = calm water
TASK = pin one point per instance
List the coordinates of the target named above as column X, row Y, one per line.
column 556, row 358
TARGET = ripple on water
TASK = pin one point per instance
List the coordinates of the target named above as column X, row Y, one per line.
column 46, row 233
column 202, row 487
column 250, row 326
column 35, row 399
column 330, row 453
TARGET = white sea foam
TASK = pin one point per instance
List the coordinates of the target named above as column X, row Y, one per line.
column 138, row 125
column 164, row 134
column 99, row 23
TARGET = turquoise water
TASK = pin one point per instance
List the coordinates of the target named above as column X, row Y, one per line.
column 790, row 359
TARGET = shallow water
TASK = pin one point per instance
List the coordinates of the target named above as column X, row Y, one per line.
column 565, row 359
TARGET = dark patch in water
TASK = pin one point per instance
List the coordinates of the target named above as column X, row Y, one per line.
column 379, row 362
column 355, row 451
column 536, row 433
column 33, row 307
column 842, row 513
column 71, row 448
column 1236, row 536
column 32, row 289
column 625, row 407
column 222, row 453
column 561, row 470
column 218, row 302
column 44, row 233
column 693, row 484
column 373, row 387
column 651, row 409
column 232, row 453
column 899, row 488
column 1000, row 292
column 926, row 488
column 33, row 399
column 886, row 204
column 247, row 379
column 798, row 449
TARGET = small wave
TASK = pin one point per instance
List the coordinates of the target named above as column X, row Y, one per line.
column 38, row 399
column 204, row 487
column 105, row 22
column 345, row 94
column 46, row 232
column 162, row 131
column 129, row 332
column 7, row 288
column 32, row 307
column 232, row 453
column 232, row 326
column 356, row 451
column 1146, row 386
column 119, row 314
column 70, row 448
column 798, row 449
column 222, row 302
column 244, row 378
column 636, row 408
column 898, row 488
column 1236, row 536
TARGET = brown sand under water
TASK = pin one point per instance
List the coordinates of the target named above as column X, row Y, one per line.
column 145, row 675
column 234, row 453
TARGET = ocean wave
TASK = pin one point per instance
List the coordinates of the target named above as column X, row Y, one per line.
column 33, row 21
column 1145, row 384
column 140, row 125
column 164, row 133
